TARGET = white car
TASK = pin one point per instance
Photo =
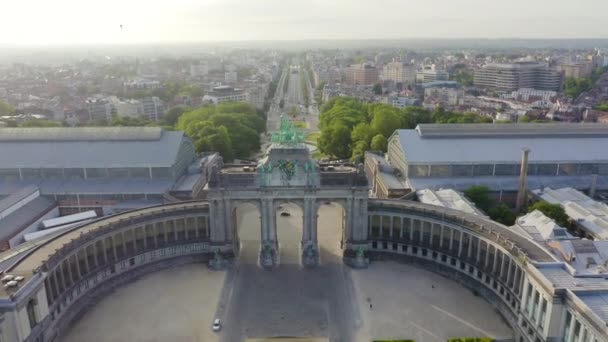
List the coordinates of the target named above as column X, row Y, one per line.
column 217, row 324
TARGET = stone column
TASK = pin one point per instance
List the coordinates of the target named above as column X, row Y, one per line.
column 228, row 222
column 309, row 246
column 268, row 248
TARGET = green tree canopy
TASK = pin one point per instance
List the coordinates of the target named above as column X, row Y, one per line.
column 233, row 129
column 377, row 89
column 554, row 211
column 480, row 195
column 379, row 143
column 335, row 140
column 6, row 109
column 40, row 123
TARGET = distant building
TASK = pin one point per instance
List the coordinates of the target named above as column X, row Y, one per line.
column 199, row 70
column 523, row 74
column 399, row 72
column 130, row 108
column 530, row 95
column 576, row 70
column 361, row 74
column 402, row 101
column 445, row 97
column 231, row 77
column 141, row 84
column 153, row 108
column 431, row 74
column 223, row 94
column 256, row 96
column 100, row 109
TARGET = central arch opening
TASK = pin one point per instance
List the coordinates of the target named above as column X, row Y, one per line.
column 331, row 222
column 289, row 225
column 248, row 235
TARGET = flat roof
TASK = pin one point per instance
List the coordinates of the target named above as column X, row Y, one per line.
column 503, row 143
column 48, row 134
column 92, row 186
column 102, row 149
column 506, row 183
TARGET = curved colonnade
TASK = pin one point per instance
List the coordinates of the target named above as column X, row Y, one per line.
column 475, row 252
column 72, row 270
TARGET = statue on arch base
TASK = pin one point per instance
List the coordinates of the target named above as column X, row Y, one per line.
column 310, row 254
column 268, row 255
column 359, row 260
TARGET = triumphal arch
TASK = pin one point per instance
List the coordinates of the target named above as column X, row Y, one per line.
column 287, row 174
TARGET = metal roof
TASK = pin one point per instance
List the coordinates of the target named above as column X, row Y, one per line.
column 93, row 186
column 117, row 150
column 448, row 198
column 461, row 144
column 506, row 183
column 24, row 216
column 15, row 197
column 49, row 134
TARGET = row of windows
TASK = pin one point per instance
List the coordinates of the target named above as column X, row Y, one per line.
column 82, row 173
column 464, row 246
column 119, row 245
column 534, row 310
column 534, row 169
column 575, row 331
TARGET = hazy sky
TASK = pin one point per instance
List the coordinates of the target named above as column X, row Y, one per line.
column 28, row 22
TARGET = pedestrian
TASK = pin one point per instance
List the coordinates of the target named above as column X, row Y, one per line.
column 370, row 306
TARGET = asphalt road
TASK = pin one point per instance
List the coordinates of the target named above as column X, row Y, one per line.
column 289, row 300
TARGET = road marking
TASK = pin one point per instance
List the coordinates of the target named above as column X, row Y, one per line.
column 424, row 330
column 462, row 321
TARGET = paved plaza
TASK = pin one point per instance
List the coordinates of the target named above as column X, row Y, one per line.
column 330, row 301
column 409, row 302
column 175, row 305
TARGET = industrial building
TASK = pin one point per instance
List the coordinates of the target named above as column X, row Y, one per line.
column 460, row 156
column 92, row 167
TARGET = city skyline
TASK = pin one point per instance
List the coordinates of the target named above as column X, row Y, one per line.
column 70, row 22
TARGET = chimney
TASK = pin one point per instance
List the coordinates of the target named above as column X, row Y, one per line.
column 523, row 177
column 593, row 186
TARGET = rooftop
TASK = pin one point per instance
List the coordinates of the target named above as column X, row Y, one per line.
column 590, row 215
column 541, row 228
column 448, row 198
column 487, row 143
column 89, row 147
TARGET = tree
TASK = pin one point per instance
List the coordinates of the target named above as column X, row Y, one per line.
column 379, row 143
column 40, row 123
column 501, row 213
column 480, row 195
column 233, row 129
column 377, row 89
column 173, row 114
column 335, row 141
column 524, row 119
column 6, row 109
column 553, row 211
column 603, row 107
column 385, row 120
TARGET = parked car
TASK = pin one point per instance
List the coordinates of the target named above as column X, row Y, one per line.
column 285, row 213
column 217, row 324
